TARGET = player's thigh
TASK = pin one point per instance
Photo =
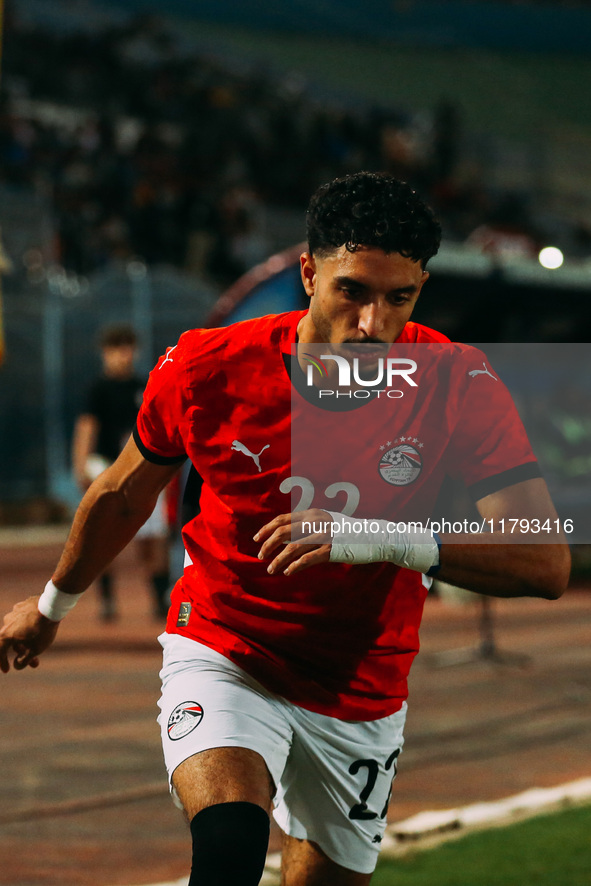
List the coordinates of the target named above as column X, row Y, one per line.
column 223, row 775
column 224, row 738
column 303, row 863
column 335, row 789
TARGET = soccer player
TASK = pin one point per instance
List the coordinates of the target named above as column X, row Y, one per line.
column 286, row 662
column 100, row 433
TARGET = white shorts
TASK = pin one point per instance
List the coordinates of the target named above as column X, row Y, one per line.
column 155, row 526
column 333, row 777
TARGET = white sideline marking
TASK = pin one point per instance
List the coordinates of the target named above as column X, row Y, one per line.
column 427, row 824
column 446, row 822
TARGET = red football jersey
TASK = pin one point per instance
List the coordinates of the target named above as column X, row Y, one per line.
column 336, row 639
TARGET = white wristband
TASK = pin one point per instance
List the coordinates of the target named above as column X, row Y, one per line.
column 373, row 541
column 55, row 604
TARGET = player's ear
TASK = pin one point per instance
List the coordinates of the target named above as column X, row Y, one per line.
column 308, row 272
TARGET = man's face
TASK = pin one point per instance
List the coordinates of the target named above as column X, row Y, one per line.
column 118, row 360
column 366, row 296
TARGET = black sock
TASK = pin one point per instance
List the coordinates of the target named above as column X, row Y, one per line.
column 230, row 843
column 106, row 586
column 108, row 607
column 160, row 586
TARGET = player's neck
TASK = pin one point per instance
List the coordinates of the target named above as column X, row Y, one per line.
column 307, row 334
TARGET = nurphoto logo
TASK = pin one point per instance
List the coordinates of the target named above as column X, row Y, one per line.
column 362, row 376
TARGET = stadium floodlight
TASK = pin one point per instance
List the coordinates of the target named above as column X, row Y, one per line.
column 551, row 257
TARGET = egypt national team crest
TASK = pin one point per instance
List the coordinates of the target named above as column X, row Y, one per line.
column 185, row 717
column 400, row 461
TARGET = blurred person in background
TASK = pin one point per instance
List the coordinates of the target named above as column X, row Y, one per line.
column 100, row 433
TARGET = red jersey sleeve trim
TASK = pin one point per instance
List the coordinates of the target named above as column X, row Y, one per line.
column 153, row 456
column 529, row 471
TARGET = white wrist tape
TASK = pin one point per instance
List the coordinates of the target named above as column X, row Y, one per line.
column 55, row 604
column 377, row 541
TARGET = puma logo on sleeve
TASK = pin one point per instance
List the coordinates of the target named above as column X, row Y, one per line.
column 167, row 358
column 482, row 372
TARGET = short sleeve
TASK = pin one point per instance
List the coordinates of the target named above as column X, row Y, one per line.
column 162, row 417
column 489, row 448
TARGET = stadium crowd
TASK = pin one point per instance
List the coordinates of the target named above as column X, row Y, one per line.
column 173, row 156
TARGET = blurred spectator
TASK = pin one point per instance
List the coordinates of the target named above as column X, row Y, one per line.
column 100, row 433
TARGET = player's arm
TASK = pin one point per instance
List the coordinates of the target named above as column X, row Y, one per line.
column 83, row 444
column 500, row 564
column 109, row 515
column 508, row 563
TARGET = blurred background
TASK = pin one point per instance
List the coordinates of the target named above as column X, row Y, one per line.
column 156, row 160
column 152, row 154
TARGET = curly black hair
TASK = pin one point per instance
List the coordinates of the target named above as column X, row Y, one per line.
column 372, row 209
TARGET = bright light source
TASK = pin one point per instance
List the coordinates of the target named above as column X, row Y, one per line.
column 551, row 257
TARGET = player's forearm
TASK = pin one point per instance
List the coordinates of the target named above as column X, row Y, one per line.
column 104, row 524
column 486, row 564
column 292, row 542
column 505, row 570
